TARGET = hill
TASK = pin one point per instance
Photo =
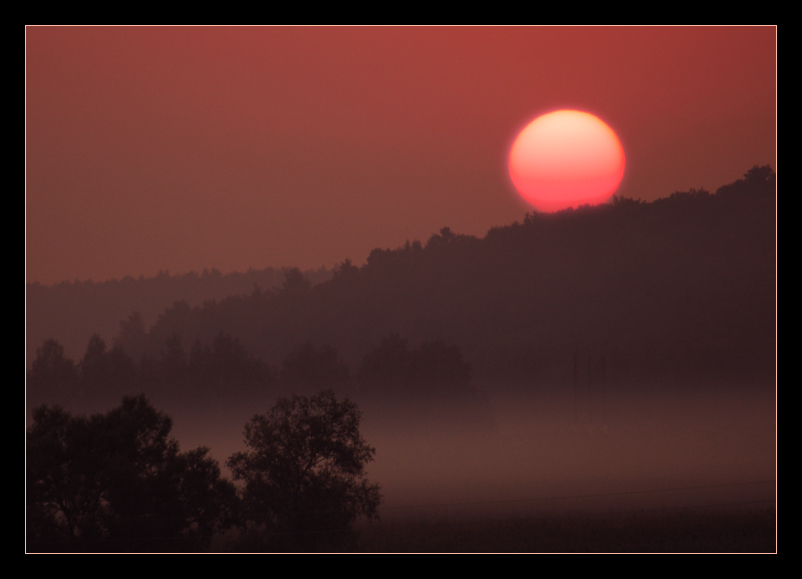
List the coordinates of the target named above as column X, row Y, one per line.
column 683, row 288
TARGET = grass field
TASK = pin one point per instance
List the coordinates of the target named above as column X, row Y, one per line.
column 719, row 530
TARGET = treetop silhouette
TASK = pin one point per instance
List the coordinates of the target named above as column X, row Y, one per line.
column 304, row 474
column 118, row 482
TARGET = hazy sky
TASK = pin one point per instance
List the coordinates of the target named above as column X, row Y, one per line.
column 185, row 148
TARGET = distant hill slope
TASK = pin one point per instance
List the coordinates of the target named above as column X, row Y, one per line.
column 683, row 288
column 71, row 312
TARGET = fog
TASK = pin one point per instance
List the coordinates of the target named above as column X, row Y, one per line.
column 551, row 450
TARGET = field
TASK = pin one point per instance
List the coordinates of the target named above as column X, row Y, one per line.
column 689, row 471
column 718, row 530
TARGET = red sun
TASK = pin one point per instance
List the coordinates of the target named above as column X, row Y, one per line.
column 566, row 159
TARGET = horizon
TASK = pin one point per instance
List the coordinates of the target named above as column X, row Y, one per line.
column 214, row 270
column 155, row 149
column 602, row 378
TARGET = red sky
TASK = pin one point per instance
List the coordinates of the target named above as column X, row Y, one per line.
column 177, row 149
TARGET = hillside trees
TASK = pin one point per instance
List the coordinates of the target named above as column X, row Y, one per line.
column 101, row 374
column 681, row 288
column 310, row 368
column 132, row 336
column 226, row 367
column 435, row 367
column 52, row 375
column 389, row 364
column 105, row 375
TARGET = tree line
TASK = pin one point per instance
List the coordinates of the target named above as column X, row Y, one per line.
column 679, row 289
column 117, row 481
column 225, row 369
column 80, row 308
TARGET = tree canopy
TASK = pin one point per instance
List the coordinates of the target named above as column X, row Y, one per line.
column 433, row 368
column 118, row 482
column 51, row 373
column 312, row 368
column 305, row 481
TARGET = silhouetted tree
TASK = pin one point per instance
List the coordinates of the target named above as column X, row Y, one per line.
column 199, row 358
column 394, row 368
column 295, row 283
column 436, row 241
column 63, row 492
column 758, row 181
column 760, row 176
column 95, row 367
column 682, row 287
column 311, row 368
column 232, row 365
column 124, row 376
column 52, row 375
column 106, row 374
column 305, row 472
column 229, row 357
column 174, row 360
column 133, row 337
column 390, row 364
column 440, row 366
column 347, row 270
column 117, row 482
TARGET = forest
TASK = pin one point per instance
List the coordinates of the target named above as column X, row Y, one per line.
column 683, row 287
column 678, row 291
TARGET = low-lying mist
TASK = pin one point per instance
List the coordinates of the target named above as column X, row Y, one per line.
column 507, row 451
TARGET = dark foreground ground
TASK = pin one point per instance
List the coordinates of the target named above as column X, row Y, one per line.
column 738, row 529
column 719, row 530
column 750, row 530
column 641, row 469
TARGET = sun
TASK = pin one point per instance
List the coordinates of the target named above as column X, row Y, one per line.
column 566, row 159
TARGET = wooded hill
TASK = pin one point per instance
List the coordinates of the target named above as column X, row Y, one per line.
column 683, row 288
column 72, row 311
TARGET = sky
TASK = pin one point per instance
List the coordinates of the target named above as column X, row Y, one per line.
column 184, row 148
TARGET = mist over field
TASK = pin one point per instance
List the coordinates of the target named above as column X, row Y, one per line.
column 401, row 289
column 611, row 361
column 515, row 452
